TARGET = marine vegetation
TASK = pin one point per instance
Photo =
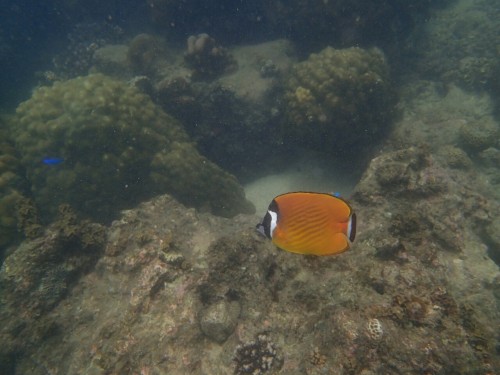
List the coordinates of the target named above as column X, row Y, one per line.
column 338, row 99
column 114, row 147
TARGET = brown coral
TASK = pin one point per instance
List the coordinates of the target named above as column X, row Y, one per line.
column 116, row 147
column 339, row 98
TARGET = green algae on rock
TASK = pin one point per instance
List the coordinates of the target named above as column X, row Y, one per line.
column 338, row 99
column 109, row 138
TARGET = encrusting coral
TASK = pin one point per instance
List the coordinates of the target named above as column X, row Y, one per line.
column 101, row 146
column 337, row 99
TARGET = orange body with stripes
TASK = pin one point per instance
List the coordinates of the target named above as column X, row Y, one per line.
column 311, row 223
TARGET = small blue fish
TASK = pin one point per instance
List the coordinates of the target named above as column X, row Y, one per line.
column 52, row 161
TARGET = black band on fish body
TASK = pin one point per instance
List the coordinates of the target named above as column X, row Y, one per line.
column 352, row 235
column 266, row 227
column 273, row 214
column 266, row 223
column 273, row 206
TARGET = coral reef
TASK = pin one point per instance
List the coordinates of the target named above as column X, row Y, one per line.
column 207, row 58
column 40, row 272
column 146, row 54
column 111, row 60
column 455, row 157
column 182, row 291
column 194, row 179
column 374, row 329
column 493, row 237
column 455, row 45
column 169, row 289
column 256, row 357
column 234, row 115
column 112, row 147
column 480, row 135
column 13, row 191
column 177, row 96
column 339, row 100
column 28, row 220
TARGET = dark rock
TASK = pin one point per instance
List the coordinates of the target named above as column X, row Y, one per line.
column 219, row 320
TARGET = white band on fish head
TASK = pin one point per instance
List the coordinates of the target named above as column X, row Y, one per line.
column 273, row 223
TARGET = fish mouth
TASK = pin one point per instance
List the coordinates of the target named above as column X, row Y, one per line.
column 260, row 228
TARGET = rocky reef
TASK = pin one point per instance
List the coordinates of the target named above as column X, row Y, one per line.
column 101, row 146
column 155, row 283
column 455, row 46
column 235, row 115
column 339, row 100
column 480, row 134
column 207, row 58
column 39, row 274
column 180, row 291
column 146, row 54
column 14, row 190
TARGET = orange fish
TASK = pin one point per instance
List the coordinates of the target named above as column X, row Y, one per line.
column 309, row 223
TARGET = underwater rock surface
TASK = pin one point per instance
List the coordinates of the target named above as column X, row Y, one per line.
column 177, row 291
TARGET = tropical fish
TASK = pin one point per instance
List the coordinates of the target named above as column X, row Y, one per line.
column 52, row 161
column 309, row 223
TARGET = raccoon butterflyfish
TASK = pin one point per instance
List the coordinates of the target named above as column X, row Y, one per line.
column 309, row 223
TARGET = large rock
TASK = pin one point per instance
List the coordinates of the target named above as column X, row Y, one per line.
column 178, row 291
